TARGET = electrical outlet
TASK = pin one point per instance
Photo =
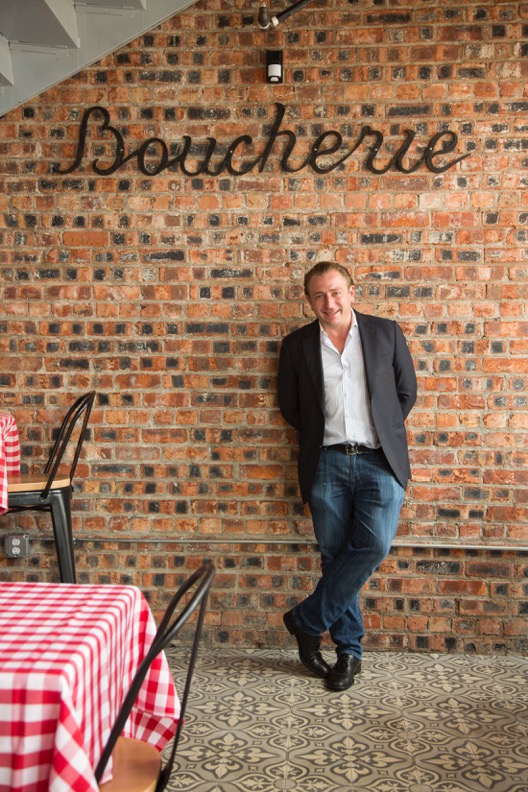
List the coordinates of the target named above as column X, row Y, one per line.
column 17, row 546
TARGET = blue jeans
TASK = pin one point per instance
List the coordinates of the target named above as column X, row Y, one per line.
column 355, row 506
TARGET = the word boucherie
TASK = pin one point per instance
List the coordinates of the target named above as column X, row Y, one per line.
column 328, row 151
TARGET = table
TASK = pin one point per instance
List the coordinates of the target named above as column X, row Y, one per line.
column 67, row 656
column 9, row 454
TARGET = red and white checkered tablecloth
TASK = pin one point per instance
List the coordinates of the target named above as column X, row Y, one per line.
column 9, row 454
column 67, row 656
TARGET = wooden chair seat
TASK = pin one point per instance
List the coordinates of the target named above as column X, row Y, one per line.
column 33, row 482
column 136, row 767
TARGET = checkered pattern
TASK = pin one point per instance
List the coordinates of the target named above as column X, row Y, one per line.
column 67, row 656
column 9, row 454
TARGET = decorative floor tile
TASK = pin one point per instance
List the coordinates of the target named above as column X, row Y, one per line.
column 257, row 721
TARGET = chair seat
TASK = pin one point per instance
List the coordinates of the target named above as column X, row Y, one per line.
column 136, row 766
column 33, row 482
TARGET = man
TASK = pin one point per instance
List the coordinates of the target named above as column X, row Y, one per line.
column 346, row 384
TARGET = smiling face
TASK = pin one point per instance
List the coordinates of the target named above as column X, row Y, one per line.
column 330, row 298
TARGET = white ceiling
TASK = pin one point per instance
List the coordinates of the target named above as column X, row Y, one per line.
column 42, row 42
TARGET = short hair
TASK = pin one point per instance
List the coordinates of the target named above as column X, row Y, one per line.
column 322, row 268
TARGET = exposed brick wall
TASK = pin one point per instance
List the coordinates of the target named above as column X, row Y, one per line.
column 420, row 600
column 169, row 294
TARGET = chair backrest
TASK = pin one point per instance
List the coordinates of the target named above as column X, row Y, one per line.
column 197, row 586
column 81, row 408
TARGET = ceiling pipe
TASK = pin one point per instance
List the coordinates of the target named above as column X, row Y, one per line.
column 266, row 21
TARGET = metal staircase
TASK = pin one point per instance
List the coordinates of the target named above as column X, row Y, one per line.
column 42, row 42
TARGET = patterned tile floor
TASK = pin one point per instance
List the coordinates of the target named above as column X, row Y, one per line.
column 258, row 722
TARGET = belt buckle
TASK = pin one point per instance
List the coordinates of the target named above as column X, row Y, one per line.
column 351, row 450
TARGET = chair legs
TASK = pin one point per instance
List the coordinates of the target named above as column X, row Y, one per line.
column 59, row 502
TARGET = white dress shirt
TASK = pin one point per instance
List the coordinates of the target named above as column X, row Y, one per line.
column 348, row 418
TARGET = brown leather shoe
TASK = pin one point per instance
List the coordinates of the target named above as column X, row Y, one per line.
column 309, row 645
column 342, row 674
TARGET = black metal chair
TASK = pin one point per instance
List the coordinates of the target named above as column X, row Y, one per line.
column 136, row 764
column 52, row 490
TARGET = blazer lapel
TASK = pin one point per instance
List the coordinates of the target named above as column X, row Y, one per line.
column 368, row 344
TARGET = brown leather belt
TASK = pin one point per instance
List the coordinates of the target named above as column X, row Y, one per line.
column 349, row 449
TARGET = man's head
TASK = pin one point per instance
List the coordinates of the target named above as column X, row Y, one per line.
column 330, row 292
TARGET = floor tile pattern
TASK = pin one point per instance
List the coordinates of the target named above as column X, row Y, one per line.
column 258, row 722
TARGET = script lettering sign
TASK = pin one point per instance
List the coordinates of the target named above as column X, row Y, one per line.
column 326, row 153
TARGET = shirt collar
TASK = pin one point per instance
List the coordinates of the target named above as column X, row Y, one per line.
column 353, row 324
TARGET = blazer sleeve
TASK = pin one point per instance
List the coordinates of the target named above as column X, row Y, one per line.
column 404, row 373
column 288, row 388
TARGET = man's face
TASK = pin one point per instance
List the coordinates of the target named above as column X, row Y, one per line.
column 331, row 299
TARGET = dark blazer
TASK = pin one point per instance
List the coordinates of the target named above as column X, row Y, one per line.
column 391, row 381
